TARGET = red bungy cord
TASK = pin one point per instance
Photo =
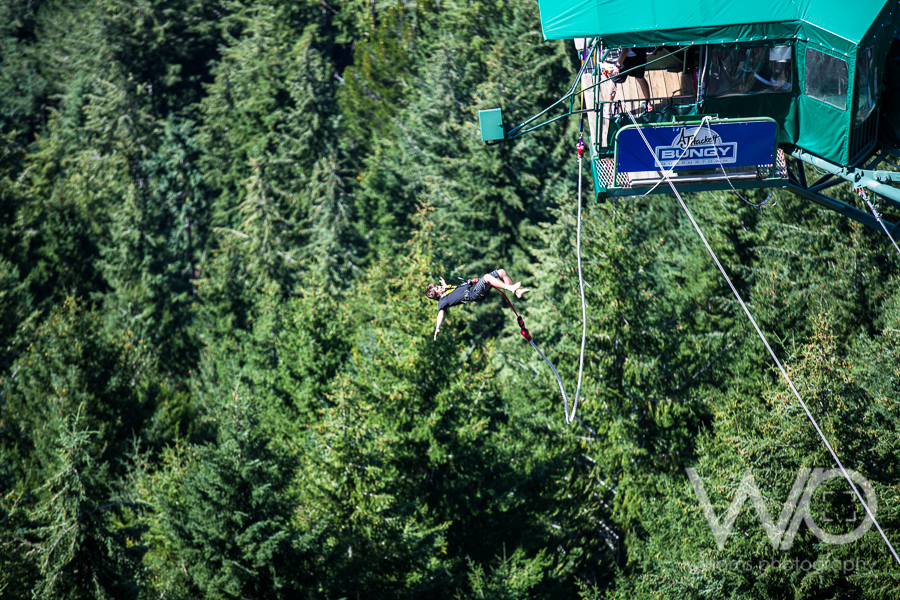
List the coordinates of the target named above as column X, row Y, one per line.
column 524, row 331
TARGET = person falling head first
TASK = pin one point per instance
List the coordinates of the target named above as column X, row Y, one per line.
column 448, row 296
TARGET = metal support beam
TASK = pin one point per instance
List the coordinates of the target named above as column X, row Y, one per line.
column 824, row 185
column 844, row 209
column 861, row 178
column 801, row 173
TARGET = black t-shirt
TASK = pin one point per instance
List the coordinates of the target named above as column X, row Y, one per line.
column 457, row 296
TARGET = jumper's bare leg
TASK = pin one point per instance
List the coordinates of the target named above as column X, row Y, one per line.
column 505, row 283
column 504, row 276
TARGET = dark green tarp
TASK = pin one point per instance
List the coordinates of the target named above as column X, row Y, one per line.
column 838, row 25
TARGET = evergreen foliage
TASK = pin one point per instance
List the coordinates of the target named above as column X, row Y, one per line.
column 228, row 520
column 75, row 541
column 218, row 376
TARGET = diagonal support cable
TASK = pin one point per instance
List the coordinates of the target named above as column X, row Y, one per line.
column 865, row 196
column 769, row 348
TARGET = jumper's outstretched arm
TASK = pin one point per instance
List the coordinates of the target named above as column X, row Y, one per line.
column 437, row 325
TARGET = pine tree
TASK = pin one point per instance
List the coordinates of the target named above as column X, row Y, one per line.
column 74, row 362
column 376, row 86
column 20, row 77
column 172, row 213
column 514, row 577
column 256, row 256
column 164, row 47
column 74, row 539
column 57, row 242
column 333, row 248
column 265, row 123
column 270, row 102
column 229, row 520
column 17, row 316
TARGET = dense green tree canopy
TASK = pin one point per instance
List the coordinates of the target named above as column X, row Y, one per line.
column 218, row 371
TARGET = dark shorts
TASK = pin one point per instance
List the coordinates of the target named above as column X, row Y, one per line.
column 633, row 61
column 480, row 290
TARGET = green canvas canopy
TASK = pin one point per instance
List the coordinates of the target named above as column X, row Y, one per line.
column 625, row 23
column 838, row 52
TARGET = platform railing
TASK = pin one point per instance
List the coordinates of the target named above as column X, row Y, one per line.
column 613, row 115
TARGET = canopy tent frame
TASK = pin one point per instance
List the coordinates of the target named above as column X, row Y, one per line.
column 838, row 135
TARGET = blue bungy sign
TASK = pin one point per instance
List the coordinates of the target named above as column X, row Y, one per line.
column 707, row 145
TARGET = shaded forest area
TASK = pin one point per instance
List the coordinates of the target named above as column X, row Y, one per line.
column 217, row 372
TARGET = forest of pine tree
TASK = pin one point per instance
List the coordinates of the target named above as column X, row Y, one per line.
column 218, row 377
